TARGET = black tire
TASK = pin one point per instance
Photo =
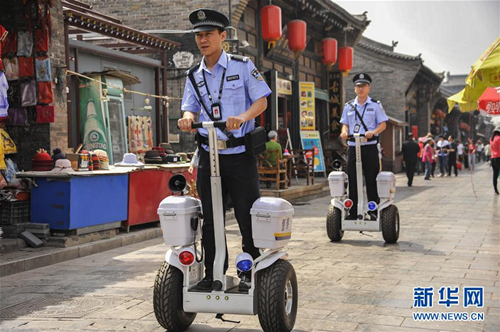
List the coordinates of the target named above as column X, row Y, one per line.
column 390, row 224
column 167, row 300
column 272, row 295
column 334, row 224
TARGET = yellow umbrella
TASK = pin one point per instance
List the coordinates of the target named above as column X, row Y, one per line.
column 485, row 72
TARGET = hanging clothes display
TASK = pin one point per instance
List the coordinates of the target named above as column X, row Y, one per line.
column 140, row 133
column 4, row 103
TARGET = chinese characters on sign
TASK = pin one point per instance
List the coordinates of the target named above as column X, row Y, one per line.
column 307, row 110
column 311, row 140
column 334, row 107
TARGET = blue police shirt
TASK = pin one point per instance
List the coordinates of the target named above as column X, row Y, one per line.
column 243, row 85
column 373, row 115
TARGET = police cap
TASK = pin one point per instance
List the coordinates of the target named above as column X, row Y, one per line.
column 207, row 19
column 362, row 78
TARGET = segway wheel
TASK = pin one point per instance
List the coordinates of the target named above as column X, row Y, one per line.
column 277, row 297
column 390, row 224
column 167, row 300
column 334, row 224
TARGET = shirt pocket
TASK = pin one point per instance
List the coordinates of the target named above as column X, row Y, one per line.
column 370, row 120
column 234, row 95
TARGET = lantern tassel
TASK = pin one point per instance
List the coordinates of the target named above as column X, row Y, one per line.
column 345, row 73
column 271, row 44
column 296, row 55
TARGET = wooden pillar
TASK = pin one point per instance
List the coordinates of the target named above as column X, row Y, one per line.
column 69, row 97
column 164, row 105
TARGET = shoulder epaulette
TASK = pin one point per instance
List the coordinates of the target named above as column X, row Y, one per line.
column 376, row 101
column 350, row 102
column 192, row 69
column 239, row 57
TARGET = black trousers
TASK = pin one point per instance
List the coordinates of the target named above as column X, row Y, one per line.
column 495, row 164
column 452, row 163
column 240, row 182
column 410, row 171
column 371, row 167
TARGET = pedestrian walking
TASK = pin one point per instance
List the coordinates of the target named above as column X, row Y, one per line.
column 410, row 150
column 495, row 156
column 363, row 115
column 428, row 157
column 479, row 150
column 452, row 155
column 224, row 87
column 472, row 154
column 487, row 152
column 442, row 153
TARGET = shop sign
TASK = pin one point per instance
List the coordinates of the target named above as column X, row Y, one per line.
column 284, row 86
column 183, row 59
column 230, row 46
column 334, row 106
column 312, row 140
column 307, row 107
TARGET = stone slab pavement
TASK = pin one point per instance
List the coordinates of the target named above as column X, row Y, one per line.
column 449, row 237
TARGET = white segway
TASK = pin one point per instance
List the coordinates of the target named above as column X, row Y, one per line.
column 273, row 295
column 387, row 220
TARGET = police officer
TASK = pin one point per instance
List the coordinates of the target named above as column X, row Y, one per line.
column 363, row 115
column 224, row 87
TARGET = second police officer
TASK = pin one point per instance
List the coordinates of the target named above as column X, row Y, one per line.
column 228, row 88
column 363, row 115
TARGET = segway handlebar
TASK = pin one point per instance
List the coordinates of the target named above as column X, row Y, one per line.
column 352, row 136
column 217, row 124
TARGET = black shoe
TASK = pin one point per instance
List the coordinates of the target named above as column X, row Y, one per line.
column 245, row 283
column 427, row 179
column 206, row 283
column 496, row 192
column 373, row 215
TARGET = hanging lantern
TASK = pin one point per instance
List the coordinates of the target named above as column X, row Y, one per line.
column 345, row 59
column 329, row 46
column 297, row 36
column 270, row 17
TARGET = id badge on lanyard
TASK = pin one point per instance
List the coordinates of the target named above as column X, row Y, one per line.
column 356, row 128
column 216, row 112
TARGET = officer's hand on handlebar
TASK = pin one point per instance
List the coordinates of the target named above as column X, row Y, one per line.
column 234, row 122
column 343, row 135
column 368, row 134
column 184, row 124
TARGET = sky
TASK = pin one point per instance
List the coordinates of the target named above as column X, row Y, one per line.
column 451, row 35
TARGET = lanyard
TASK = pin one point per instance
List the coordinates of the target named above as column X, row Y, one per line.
column 221, row 85
column 362, row 115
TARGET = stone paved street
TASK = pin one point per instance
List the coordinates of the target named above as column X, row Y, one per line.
column 449, row 237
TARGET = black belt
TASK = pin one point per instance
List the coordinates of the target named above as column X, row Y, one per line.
column 230, row 143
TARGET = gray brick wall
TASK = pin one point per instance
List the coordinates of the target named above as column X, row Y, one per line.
column 390, row 81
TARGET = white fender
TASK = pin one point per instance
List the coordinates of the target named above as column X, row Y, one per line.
column 268, row 261
column 172, row 258
column 337, row 203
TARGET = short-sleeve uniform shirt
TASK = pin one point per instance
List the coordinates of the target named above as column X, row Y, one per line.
column 372, row 112
column 243, row 85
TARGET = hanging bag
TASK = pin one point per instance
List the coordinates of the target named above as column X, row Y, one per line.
column 26, row 67
column 42, row 40
column 13, row 94
column 28, row 93
column 42, row 65
column 18, row 116
column 9, row 44
column 11, row 69
column 24, row 43
column 45, row 114
column 45, row 94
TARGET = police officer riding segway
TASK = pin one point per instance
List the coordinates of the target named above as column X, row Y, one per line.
column 225, row 92
column 363, row 119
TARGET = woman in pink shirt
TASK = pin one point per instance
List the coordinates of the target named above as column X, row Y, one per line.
column 495, row 156
column 428, row 157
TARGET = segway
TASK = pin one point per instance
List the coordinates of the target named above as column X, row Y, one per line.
column 387, row 214
column 273, row 295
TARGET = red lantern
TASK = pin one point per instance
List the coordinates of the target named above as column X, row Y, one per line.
column 329, row 51
column 345, row 59
column 270, row 17
column 297, row 35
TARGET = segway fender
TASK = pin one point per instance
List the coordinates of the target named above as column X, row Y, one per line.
column 337, row 203
column 268, row 261
column 172, row 258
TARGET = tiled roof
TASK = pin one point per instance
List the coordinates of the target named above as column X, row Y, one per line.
column 386, row 50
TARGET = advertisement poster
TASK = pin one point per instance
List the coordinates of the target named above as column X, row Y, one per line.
column 335, row 110
column 307, row 110
column 312, row 140
column 140, row 133
column 284, row 87
column 92, row 117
